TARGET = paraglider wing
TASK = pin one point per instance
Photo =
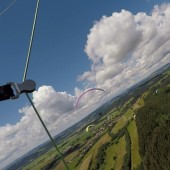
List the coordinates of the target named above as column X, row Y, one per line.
column 157, row 91
column 88, row 127
column 85, row 93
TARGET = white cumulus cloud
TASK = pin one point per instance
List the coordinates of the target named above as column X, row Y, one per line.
column 125, row 48
column 55, row 109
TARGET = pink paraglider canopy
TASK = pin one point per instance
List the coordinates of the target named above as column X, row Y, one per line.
column 85, row 93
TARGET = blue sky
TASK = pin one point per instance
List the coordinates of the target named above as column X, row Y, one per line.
column 68, row 46
column 58, row 55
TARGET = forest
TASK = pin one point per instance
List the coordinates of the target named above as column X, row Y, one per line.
column 132, row 133
column 153, row 126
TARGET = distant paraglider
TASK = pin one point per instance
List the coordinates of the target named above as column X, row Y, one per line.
column 134, row 116
column 156, row 91
column 88, row 128
column 85, row 93
column 100, row 113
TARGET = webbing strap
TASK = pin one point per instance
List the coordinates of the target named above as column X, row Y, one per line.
column 6, row 92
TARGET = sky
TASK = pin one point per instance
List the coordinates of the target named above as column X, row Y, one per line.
column 77, row 45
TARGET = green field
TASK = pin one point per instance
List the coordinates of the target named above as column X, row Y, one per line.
column 105, row 146
column 114, row 153
column 136, row 159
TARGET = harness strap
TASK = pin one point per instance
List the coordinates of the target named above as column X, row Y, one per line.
column 13, row 90
column 6, row 92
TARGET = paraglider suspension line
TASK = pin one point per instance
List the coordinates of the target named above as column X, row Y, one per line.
column 52, row 140
column 31, row 41
column 28, row 97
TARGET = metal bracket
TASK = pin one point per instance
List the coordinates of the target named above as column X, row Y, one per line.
column 28, row 86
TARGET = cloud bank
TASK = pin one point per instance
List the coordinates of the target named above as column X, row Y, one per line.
column 123, row 49
column 54, row 108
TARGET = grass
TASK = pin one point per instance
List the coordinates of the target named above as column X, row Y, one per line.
column 135, row 156
column 110, row 152
column 73, row 157
column 71, row 161
column 118, row 151
column 80, row 137
column 85, row 164
column 72, row 165
column 140, row 102
column 114, row 114
column 93, row 151
column 122, row 121
column 41, row 161
column 105, row 138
